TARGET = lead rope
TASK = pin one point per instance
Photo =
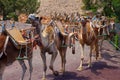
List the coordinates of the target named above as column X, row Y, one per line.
column 32, row 36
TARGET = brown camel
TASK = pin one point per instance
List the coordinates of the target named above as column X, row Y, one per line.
column 9, row 53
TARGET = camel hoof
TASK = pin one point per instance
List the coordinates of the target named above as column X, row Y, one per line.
column 29, row 78
column 73, row 51
column 61, row 71
column 56, row 73
column 89, row 65
column 79, row 69
column 43, row 78
column 99, row 57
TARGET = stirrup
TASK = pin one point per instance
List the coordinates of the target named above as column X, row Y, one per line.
column 64, row 45
column 22, row 58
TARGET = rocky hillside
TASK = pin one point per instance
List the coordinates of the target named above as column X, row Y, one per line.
column 68, row 6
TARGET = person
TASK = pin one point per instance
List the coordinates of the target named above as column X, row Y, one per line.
column 3, row 25
column 96, row 21
column 12, row 22
column 35, row 23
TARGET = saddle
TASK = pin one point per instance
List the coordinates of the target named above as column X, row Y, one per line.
column 60, row 27
column 48, row 32
column 19, row 42
column 17, row 38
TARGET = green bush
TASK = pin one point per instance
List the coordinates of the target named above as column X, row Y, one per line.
column 12, row 15
column 12, row 8
column 111, row 8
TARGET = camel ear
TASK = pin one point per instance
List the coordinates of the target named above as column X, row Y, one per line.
column 41, row 18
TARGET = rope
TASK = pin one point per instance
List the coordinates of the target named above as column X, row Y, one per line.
column 102, row 35
column 114, row 45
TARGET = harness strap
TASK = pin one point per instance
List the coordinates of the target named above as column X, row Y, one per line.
column 44, row 50
column 5, row 45
column 50, row 44
column 1, row 54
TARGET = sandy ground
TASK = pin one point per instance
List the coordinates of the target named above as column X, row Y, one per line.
column 108, row 68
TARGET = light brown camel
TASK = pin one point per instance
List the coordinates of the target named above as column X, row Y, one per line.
column 50, row 40
column 87, row 35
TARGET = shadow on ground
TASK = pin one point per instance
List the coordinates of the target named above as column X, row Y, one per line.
column 68, row 76
column 107, row 56
column 97, row 67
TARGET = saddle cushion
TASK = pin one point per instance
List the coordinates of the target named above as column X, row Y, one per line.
column 16, row 35
column 47, row 31
column 17, row 38
column 61, row 28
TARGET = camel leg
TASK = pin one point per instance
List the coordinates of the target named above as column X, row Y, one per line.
column 73, row 46
column 90, row 55
column 73, row 50
column 98, row 55
column 61, row 55
column 43, row 56
column 54, row 55
column 2, row 68
column 101, row 42
column 63, row 59
column 82, row 58
column 31, row 67
column 24, row 68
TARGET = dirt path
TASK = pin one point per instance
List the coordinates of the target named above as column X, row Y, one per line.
column 107, row 68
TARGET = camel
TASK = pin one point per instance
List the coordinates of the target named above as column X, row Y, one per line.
column 46, row 43
column 87, row 35
column 50, row 39
column 9, row 53
column 106, row 31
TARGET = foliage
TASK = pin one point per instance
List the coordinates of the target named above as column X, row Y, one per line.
column 12, row 15
column 87, row 4
column 15, row 7
column 111, row 8
column 116, row 7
